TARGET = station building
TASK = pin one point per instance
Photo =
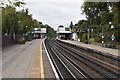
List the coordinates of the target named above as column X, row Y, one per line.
column 74, row 34
column 39, row 33
column 64, row 33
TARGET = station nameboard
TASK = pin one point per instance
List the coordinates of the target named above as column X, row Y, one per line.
column 40, row 30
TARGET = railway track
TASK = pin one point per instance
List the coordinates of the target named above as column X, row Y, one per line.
column 71, row 63
column 114, row 60
column 104, row 61
column 61, row 66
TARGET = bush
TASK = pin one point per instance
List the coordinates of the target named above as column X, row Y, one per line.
column 84, row 37
column 86, row 41
column 92, row 40
column 110, row 46
column 21, row 41
column 29, row 39
column 117, row 45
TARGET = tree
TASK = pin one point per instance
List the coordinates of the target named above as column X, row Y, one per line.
column 99, row 14
column 35, row 23
column 61, row 26
column 71, row 25
column 116, row 19
column 9, row 16
column 40, row 22
column 17, row 22
column 50, row 31
column 96, row 12
column 81, row 25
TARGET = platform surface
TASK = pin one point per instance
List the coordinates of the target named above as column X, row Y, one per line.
column 94, row 47
column 26, row 61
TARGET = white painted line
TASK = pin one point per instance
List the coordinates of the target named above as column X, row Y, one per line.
column 51, row 63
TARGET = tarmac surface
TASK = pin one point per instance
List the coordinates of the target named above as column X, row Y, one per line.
column 28, row 60
column 94, row 47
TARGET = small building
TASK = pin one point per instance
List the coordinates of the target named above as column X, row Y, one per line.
column 39, row 33
column 74, row 34
column 64, row 33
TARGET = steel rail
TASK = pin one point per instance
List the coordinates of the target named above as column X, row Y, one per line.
column 73, row 66
column 60, row 66
column 74, row 52
column 107, row 64
column 106, row 55
column 84, row 73
column 114, row 69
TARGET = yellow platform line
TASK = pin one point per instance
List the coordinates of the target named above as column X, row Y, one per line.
column 41, row 62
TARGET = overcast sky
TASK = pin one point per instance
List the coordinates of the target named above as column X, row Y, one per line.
column 56, row 12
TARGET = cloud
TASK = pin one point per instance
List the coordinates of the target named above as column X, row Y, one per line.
column 56, row 12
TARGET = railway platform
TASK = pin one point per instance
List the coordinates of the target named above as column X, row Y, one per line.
column 41, row 67
column 29, row 60
column 114, row 52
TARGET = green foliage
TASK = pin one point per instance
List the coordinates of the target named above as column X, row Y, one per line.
column 96, row 12
column 71, row 25
column 17, row 22
column 21, row 41
column 99, row 15
column 92, row 40
column 50, row 31
column 20, row 22
column 84, row 37
column 18, row 4
column 81, row 24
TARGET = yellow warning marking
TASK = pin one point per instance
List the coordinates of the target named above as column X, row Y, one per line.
column 35, row 73
column 35, row 68
column 41, row 62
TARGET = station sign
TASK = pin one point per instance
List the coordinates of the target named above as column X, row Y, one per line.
column 40, row 30
column 113, row 37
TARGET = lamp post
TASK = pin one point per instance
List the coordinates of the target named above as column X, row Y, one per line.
column 100, row 14
column 92, row 32
column 26, row 30
column 77, row 34
column 88, row 37
column 88, row 34
column 113, row 35
column 102, row 37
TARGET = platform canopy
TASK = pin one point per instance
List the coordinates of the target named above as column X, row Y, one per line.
column 63, row 30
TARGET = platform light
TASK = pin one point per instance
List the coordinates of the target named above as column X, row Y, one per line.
column 112, row 26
